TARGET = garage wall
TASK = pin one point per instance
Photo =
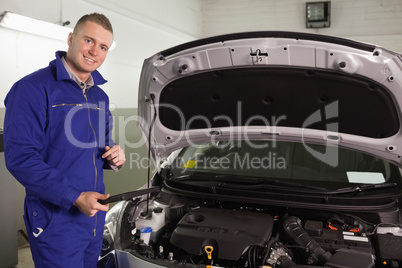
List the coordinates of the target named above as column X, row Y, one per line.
column 374, row 21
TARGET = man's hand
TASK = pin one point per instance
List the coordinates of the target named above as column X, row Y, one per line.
column 88, row 203
column 115, row 155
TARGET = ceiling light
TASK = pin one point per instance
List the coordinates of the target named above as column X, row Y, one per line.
column 29, row 25
column 38, row 27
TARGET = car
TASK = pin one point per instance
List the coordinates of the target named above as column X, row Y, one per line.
column 271, row 149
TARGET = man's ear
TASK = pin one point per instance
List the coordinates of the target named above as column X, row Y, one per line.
column 70, row 39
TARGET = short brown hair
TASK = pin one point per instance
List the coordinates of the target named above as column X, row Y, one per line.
column 97, row 18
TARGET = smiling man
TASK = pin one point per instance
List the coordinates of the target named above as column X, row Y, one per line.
column 88, row 47
column 57, row 136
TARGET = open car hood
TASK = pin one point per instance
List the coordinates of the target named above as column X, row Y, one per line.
column 273, row 85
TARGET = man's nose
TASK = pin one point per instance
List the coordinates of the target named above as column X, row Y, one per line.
column 94, row 51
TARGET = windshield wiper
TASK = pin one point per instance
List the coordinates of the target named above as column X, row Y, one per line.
column 303, row 188
column 365, row 187
column 253, row 183
column 277, row 185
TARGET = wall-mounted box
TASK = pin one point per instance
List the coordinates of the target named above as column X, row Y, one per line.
column 318, row 14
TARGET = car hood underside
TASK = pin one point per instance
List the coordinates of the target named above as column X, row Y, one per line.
column 273, row 85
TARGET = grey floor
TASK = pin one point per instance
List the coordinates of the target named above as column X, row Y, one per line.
column 24, row 257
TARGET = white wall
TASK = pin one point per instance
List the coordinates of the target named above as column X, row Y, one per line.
column 141, row 29
column 373, row 21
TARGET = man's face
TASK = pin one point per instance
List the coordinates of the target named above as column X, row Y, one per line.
column 87, row 49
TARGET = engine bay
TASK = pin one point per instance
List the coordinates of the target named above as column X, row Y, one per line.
column 199, row 233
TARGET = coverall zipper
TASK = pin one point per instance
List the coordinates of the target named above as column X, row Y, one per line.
column 65, row 104
column 94, row 154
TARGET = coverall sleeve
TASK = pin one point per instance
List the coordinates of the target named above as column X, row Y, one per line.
column 25, row 137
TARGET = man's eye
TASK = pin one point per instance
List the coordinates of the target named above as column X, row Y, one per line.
column 104, row 48
column 88, row 41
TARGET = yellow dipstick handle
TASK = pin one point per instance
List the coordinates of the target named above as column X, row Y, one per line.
column 208, row 250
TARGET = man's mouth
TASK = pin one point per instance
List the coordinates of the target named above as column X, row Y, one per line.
column 88, row 59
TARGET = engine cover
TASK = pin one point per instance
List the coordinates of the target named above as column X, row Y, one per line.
column 229, row 232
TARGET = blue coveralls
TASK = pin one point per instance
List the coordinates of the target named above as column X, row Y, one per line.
column 54, row 138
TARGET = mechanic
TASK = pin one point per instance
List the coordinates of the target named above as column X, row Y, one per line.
column 57, row 136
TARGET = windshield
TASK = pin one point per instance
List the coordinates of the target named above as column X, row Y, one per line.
column 283, row 162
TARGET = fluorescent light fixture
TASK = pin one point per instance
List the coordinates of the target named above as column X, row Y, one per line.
column 38, row 27
column 29, row 25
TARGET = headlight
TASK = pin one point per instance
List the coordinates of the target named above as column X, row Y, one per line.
column 111, row 219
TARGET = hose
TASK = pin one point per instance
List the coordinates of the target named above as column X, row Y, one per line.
column 293, row 228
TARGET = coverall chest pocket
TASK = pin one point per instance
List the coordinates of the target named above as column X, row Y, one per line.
column 70, row 126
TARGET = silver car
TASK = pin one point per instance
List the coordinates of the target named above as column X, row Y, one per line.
column 272, row 149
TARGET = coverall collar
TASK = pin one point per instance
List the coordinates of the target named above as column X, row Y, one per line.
column 62, row 74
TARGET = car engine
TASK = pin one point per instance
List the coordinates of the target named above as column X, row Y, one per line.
column 195, row 233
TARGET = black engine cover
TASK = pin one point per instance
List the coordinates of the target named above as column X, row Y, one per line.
column 229, row 232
